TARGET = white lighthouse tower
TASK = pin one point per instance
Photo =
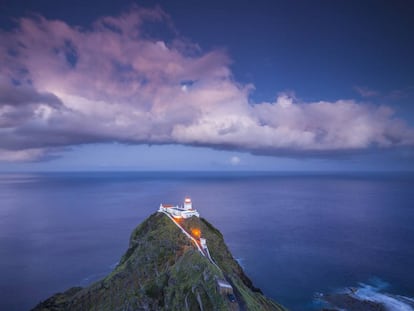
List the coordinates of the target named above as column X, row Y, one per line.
column 187, row 203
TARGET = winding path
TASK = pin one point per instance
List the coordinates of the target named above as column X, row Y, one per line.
column 186, row 233
column 205, row 252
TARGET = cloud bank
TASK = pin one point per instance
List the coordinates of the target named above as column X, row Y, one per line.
column 62, row 85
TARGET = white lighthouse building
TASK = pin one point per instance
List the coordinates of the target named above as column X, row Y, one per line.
column 185, row 211
column 187, row 204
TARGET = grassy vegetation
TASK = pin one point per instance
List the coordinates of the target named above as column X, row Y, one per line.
column 162, row 270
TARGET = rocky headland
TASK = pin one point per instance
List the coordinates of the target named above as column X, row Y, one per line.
column 162, row 269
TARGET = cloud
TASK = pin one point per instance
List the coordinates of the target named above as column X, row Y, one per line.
column 366, row 92
column 64, row 85
column 18, row 104
column 21, row 155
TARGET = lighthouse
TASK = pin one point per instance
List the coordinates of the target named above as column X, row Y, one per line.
column 187, row 204
column 185, row 211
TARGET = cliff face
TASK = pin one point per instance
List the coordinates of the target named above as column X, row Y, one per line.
column 163, row 270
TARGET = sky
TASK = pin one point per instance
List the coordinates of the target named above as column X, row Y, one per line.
column 207, row 85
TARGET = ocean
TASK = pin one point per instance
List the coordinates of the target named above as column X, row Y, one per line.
column 296, row 235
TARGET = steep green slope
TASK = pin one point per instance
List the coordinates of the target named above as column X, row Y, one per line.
column 162, row 270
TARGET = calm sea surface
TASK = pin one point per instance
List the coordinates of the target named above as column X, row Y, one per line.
column 294, row 235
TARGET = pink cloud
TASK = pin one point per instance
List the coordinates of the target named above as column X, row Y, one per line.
column 366, row 92
column 111, row 82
